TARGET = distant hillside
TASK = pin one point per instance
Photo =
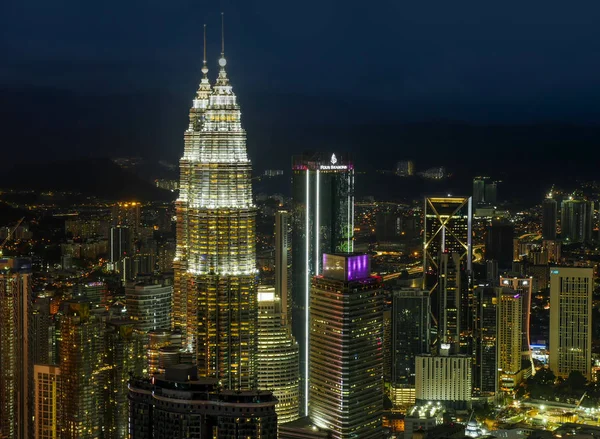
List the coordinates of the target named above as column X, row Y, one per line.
column 101, row 178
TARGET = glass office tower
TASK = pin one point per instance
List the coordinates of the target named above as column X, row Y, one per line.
column 323, row 222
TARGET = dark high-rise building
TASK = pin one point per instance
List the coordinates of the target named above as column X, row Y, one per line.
column 491, row 193
column 499, row 243
column 411, row 317
column 549, row 217
column 214, row 297
column 40, row 331
column 179, row 405
column 479, row 190
column 387, row 226
column 576, row 220
column 485, row 371
column 450, row 289
column 16, row 367
column 323, row 222
column 121, row 244
column 346, row 363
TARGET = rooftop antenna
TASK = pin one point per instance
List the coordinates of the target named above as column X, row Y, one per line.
column 204, row 60
column 222, row 34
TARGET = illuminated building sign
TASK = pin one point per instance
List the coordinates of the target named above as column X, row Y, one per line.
column 346, row 267
column 332, row 167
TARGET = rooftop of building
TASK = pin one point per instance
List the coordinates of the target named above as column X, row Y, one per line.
column 181, row 381
column 304, row 426
column 425, row 411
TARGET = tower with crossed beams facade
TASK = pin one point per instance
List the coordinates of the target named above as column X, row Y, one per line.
column 447, row 260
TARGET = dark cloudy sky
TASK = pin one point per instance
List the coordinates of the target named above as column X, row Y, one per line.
column 473, row 61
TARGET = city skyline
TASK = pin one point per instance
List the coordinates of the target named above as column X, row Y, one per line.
column 355, row 284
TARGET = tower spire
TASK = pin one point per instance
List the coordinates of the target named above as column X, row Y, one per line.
column 204, row 66
column 222, row 86
column 222, row 35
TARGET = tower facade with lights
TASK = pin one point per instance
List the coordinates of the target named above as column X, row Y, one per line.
column 323, row 222
column 215, row 304
column 447, row 260
column 346, row 359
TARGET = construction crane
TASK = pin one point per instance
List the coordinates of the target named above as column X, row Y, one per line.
column 10, row 232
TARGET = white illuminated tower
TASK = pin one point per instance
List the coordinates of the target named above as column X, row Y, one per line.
column 215, row 304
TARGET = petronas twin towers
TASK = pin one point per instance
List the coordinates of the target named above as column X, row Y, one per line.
column 215, row 300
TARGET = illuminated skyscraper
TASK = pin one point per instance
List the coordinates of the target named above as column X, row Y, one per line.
column 215, row 303
column 323, row 222
column 524, row 287
column 571, row 320
column 346, row 360
column 509, row 339
column 447, row 258
column 46, row 383
column 277, row 359
column 16, row 367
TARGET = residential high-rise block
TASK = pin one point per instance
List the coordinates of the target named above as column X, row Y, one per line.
column 277, row 359
column 570, row 320
column 127, row 214
column 215, row 304
column 323, row 222
column 124, row 356
column 180, row 405
column 46, row 384
column 576, row 220
column 346, row 330
column 444, row 378
column 510, row 316
column 149, row 305
column 283, row 263
column 16, row 367
column 82, row 348
column 549, row 217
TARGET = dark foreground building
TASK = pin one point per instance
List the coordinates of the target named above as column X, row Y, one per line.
column 180, row 405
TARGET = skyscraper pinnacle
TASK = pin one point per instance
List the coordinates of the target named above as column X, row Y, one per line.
column 222, row 86
column 204, row 66
column 204, row 90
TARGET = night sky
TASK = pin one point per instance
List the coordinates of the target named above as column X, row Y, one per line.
column 117, row 77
